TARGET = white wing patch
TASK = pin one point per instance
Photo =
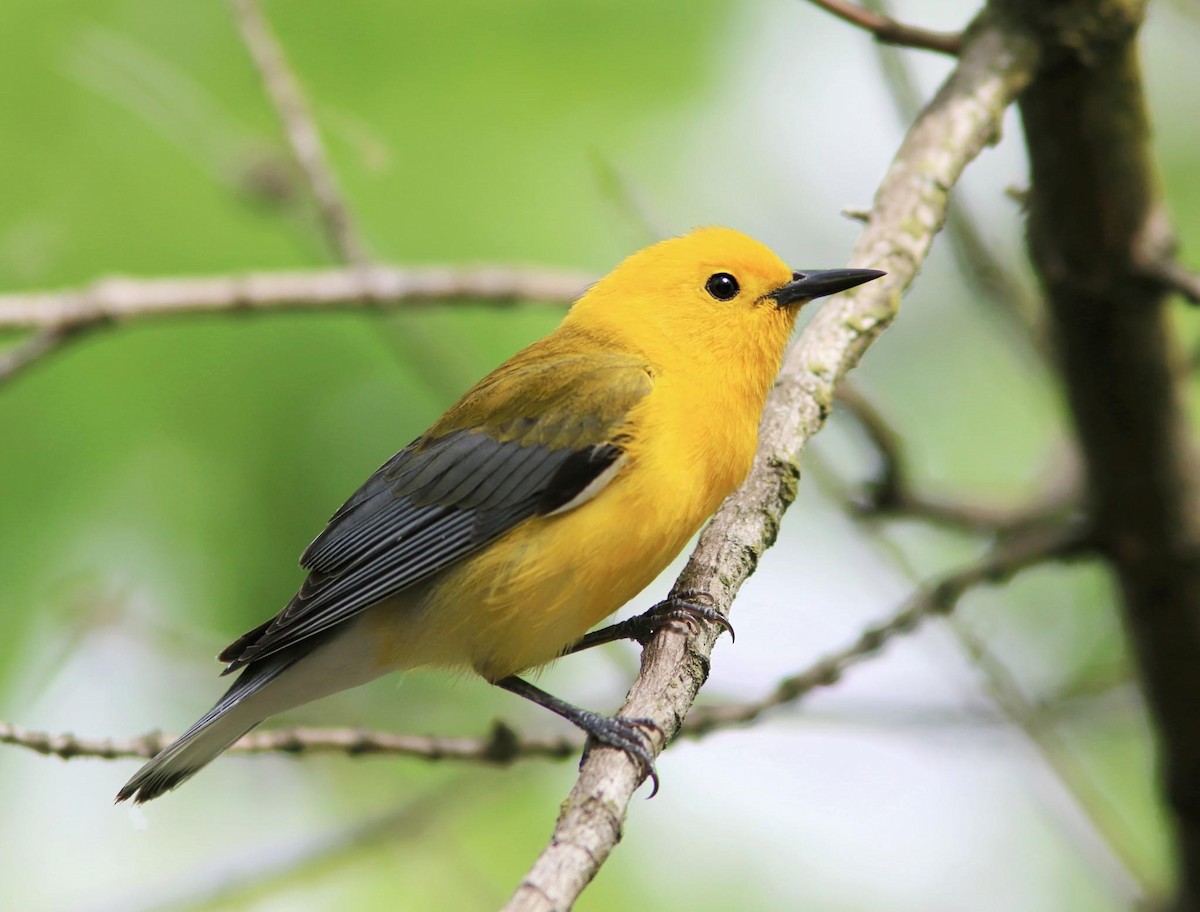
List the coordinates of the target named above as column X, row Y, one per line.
column 597, row 484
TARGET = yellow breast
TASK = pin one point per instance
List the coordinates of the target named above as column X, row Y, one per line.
column 520, row 602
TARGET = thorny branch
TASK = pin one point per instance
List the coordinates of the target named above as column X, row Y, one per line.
column 501, row 746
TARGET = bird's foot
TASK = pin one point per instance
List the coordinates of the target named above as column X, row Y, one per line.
column 690, row 606
column 625, row 733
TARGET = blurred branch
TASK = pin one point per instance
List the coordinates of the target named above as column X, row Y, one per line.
column 1104, row 838
column 909, row 209
column 288, row 100
column 1095, row 210
column 1000, row 564
column 1174, row 277
column 986, row 273
column 626, row 199
column 118, row 299
column 37, row 346
column 892, row 495
column 503, row 745
column 888, row 31
column 1035, row 719
column 61, row 315
column 263, row 871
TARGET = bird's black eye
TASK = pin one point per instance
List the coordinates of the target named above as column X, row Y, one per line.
column 722, row 286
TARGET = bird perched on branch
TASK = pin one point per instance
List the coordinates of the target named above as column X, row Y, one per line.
column 553, row 492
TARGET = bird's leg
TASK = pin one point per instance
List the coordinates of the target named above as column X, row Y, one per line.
column 620, row 732
column 690, row 606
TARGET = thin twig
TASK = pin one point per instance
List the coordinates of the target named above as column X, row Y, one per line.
column 890, row 31
column 121, row 298
column 892, row 494
column 419, row 345
column 260, row 872
column 1035, row 720
column 1105, row 841
column 980, row 267
column 301, row 130
column 1176, row 277
column 24, row 354
column 999, row 565
column 502, row 746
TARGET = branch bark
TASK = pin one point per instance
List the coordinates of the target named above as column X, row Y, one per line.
column 888, row 31
column 504, row 745
column 29, row 352
column 119, row 298
column 910, row 207
column 891, row 494
column 1096, row 217
column 289, row 102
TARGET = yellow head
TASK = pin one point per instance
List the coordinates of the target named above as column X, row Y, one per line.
column 713, row 299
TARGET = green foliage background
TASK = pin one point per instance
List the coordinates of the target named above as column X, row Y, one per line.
column 159, row 479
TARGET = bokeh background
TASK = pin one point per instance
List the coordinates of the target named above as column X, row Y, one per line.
column 158, row 480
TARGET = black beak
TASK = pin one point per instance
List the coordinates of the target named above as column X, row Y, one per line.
column 817, row 283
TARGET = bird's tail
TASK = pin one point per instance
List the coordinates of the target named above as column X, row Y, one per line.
column 313, row 668
column 233, row 716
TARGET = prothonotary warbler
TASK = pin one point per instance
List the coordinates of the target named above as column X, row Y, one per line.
column 553, row 492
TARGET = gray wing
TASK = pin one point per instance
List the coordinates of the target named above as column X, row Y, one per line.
column 430, row 505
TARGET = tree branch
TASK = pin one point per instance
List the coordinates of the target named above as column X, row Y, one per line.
column 1095, row 209
column 892, row 494
column 981, row 268
column 261, row 871
column 503, row 745
column 909, row 209
column 888, row 31
column 301, row 130
column 1000, row 564
column 1109, row 843
column 1174, row 277
column 36, row 347
column 119, row 299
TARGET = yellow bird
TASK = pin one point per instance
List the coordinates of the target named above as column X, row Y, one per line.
column 553, row 492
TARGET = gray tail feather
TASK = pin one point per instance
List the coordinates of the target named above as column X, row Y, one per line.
column 216, row 730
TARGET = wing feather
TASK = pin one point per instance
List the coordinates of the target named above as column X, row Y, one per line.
column 473, row 477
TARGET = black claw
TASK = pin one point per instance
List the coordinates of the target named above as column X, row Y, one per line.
column 628, row 735
column 690, row 606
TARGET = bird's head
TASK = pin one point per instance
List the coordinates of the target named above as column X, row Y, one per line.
column 711, row 292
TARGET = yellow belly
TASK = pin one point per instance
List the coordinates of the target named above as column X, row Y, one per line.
column 521, row 601
column 524, row 598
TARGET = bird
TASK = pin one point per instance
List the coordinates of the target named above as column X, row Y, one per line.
column 553, row 492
